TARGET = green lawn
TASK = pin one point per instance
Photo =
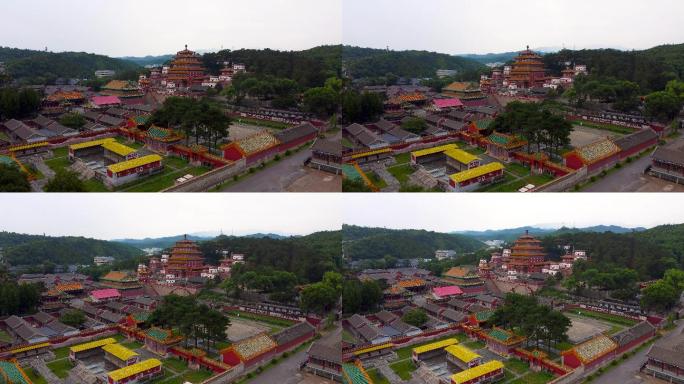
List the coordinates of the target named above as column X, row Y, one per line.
column 133, row 144
column 605, row 317
column 518, row 169
column 403, row 158
column 477, row 344
column 377, row 377
column 60, row 152
column 347, row 143
column 401, row 172
column 474, row 150
column 61, row 353
column 563, row 346
column 132, row 344
column 197, row 376
column 175, row 162
column 58, row 163
column 377, row 180
column 5, row 337
column 348, row 337
column 515, row 185
column 175, row 364
column 508, row 375
column 534, row 378
column 518, row 366
column 165, row 375
column 263, row 319
column 496, row 187
column 94, row 185
column 60, row 368
column 35, row 377
column 161, row 180
column 606, row 127
column 403, row 369
column 262, row 123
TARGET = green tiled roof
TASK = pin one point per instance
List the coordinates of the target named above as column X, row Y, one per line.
column 141, row 120
column 353, row 374
column 7, row 160
column 158, row 334
column 499, row 334
column 499, row 139
column 141, row 316
column 483, row 124
column 9, row 371
column 484, row 316
column 350, row 172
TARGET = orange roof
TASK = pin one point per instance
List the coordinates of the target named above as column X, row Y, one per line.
column 66, row 287
column 460, row 86
column 411, row 283
column 459, row 272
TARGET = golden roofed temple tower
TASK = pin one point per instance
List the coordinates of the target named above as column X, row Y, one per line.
column 527, row 255
column 186, row 69
column 186, row 259
column 527, row 70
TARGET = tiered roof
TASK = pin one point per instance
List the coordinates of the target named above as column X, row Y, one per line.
column 186, row 67
column 505, row 141
column 162, row 336
column 162, row 134
column 527, row 250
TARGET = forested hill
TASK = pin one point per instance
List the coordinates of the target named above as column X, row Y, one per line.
column 651, row 68
column 309, row 68
column 649, row 252
column 40, row 67
column 21, row 249
column 376, row 243
column 369, row 62
column 158, row 242
column 510, row 234
column 308, row 257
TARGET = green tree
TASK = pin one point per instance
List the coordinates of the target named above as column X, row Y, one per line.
column 659, row 296
column 414, row 125
column 12, row 179
column 65, row 181
column 349, row 185
column 322, row 101
column 416, row 317
column 73, row 120
column 318, row 297
column 662, row 106
column 74, row 318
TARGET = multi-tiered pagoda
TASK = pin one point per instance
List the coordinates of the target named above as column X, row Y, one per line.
column 186, row 260
column 186, row 69
column 527, row 70
column 527, row 255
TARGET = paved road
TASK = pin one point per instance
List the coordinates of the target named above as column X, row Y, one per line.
column 631, row 178
column 626, row 373
column 287, row 371
column 274, row 178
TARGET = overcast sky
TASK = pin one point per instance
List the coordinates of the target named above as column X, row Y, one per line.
column 454, row 212
column 119, row 215
column 482, row 26
column 155, row 27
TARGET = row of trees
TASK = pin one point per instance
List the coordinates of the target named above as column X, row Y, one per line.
column 622, row 282
column 324, row 295
column 545, row 130
column 282, row 92
column 664, row 293
column 623, row 94
column 202, row 120
column 665, row 105
column 18, row 299
column 526, row 317
column 361, row 107
column 280, row 285
column 195, row 321
column 18, row 103
column 361, row 296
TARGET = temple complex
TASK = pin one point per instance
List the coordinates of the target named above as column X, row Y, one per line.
column 186, row 70
column 527, row 70
column 527, row 255
column 186, row 260
column 127, row 283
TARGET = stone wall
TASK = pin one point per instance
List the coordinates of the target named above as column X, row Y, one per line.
column 210, row 179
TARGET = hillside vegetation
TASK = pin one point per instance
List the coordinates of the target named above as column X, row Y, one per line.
column 21, row 249
column 28, row 66
column 369, row 62
column 376, row 243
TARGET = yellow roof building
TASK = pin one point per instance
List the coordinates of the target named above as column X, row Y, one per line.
column 476, row 172
column 475, row 372
column 118, row 148
column 93, row 143
column 433, row 150
column 92, row 344
column 461, row 156
column 434, row 346
column 133, row 163
column 462, row 353
column 134, row 369
column 119, row 351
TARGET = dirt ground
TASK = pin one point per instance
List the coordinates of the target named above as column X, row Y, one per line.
column 316, row 181
column 581, row 136
column 243, row 329
column 583, row 328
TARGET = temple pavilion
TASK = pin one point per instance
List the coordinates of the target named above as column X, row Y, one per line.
column 527, row 70
column 126, row 283
column 186, row 69
column 527, row 255
column 186, row 260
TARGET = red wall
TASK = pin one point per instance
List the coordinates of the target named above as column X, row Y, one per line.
column 285, row 146
column 294, row 343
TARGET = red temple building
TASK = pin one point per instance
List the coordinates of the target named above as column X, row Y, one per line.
column 186, row 69
column 527, row 255
column 186, row 260
column 528, row 70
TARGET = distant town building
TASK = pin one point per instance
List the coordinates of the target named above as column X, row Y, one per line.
column 441, row 73
column 103, row 260
column 102, row 73
column 442, row 254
